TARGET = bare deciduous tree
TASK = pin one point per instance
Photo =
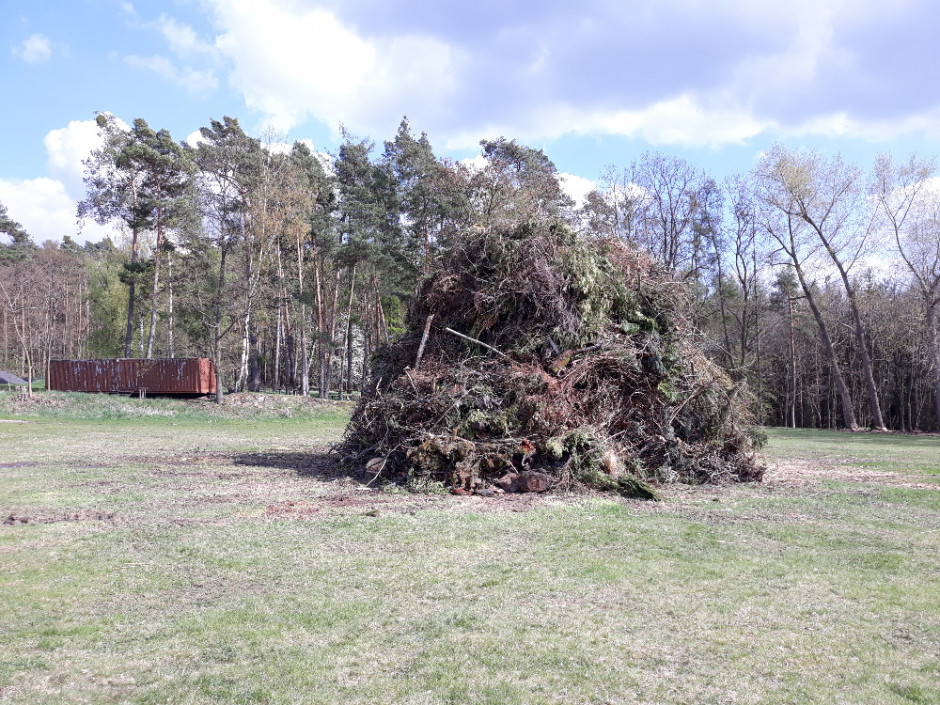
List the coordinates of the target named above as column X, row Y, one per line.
column 822, row 198
column 909, row 206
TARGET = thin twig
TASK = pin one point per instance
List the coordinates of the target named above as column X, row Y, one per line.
column 474, row 340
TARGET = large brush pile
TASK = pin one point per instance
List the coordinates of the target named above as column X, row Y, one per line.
column 535, row 359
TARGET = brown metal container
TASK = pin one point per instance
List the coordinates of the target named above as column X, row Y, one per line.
column 184, row 375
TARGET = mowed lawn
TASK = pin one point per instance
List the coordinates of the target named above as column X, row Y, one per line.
column 154, row 551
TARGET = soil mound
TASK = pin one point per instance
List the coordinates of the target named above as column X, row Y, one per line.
column 536, row 359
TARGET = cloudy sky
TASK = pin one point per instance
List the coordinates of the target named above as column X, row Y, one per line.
column 593, row 83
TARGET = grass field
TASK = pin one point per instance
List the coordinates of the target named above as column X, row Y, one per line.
column 173, row 552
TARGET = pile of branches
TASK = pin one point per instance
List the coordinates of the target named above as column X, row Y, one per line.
column 536, row 359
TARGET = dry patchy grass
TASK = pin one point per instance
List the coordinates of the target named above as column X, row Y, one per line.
column 195, row 558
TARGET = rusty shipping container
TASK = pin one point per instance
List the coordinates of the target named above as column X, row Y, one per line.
column 184, row 375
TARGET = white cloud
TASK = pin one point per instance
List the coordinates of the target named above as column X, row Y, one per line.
column 159, row 65
column 66, row 148
column 46, row 206
column 182, row 38
column 758, row 69
column 683, row 121
column 797, row 62
column 47, row 212
column 293, row 64
column 194, row 138
column 279, row 146
column 35, row 49
column 194, row 81
column 843, row 125
column 688, row 121
column 577, row 187
column 475, row 163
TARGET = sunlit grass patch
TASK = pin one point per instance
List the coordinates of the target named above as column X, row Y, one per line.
column 884, row 452
column 229, row 573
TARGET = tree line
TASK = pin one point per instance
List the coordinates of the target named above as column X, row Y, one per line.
column 814, row 283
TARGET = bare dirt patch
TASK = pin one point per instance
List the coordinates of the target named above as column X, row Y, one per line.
column 339, row 491
column 803, row 473
column 307, row 484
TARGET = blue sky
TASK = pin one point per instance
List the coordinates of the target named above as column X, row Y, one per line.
column 593, row 83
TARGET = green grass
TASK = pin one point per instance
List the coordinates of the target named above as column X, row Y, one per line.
column 189, row 558
column 73, row 406
column 889, row 452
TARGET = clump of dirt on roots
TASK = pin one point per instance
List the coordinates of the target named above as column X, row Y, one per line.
column 535, row 359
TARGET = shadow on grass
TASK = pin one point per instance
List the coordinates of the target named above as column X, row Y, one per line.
column 317, row 464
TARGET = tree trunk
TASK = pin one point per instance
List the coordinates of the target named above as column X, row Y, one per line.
column 277, row 348
column 304, row 338
column 156, row 283
column 169, row 261
column 318, row 263
column 348, row 338
column 217, row 347
column 381, row 325
column 243, row 359
column 848, row 413
column 366, row 344
column 793, row 381
column 877, row 422
column 930, row 307
column 254, row 366
column 327, row 371
column 129, row 333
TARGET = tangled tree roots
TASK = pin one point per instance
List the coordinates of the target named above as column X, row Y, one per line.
column 535, row 359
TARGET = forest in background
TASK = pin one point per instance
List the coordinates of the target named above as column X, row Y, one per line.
column 814, row 283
